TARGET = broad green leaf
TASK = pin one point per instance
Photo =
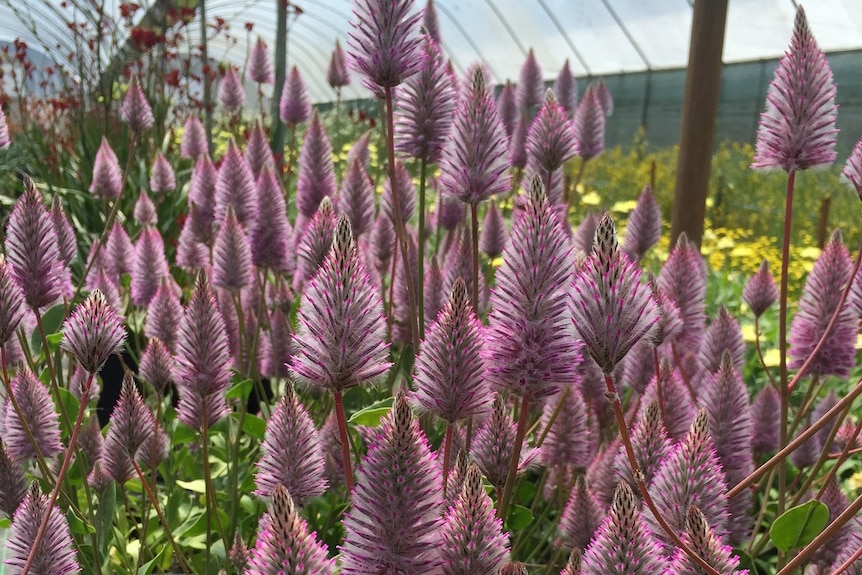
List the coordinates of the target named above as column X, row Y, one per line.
column 105, row 517
column 254, row 426
column 196, row 485
column 147, row 567
column 240, row 390
column 5, row 523
column 799, row 525
column 70, row 402
column 51, row 321
column 183, row 434
column 371, row 415
column 519, row 517
column 76, row 525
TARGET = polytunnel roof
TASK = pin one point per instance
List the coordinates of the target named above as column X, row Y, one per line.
column 597, row 36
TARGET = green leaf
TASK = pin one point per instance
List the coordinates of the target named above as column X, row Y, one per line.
column 5, row 523
column 78, row 526
column 254, row 426
column 147, row 567
column 196, row 485
column 70, row 402
column 51, row 321
column 105, row 517
column 240, row 390
column 799, row 525
column 371, row 415
column 183, row 434
column 519, row 517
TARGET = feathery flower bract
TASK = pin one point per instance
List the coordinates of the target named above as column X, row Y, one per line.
column 157, row 365
column 294, row 106
column 66, row 241
column 722, row 336
column 606, row 99
column 11, row 304
column 314, row 243
column 162, row 178
column 765, row 417
column 683, row 279
column 164, row 313
column 852, row 172
column 530, row 85
column 581, row 517
column 107, row 180
column 383, row 43
column 231, row 255
column 406, row 194
column 568, row 444
column 675, row 401
column 258, row 67
column 93, row 332
column 235, row 187
column 194, row 140
column 494, row 443
column 37, row 409
column 508, row 107
column 589, row 124
column 270, row 234
column 566, row 89
column 336, row 73
column 356, row 198
column 702, row 540
column 132, row 424
column 492, row 239
column 145, row 210
column 258, row 154
column 650, row 444
column 149, row 266
column 430, row 22
column 316, row 178
column 119, row 253
column 136, row 111
column 760, row 292
column 643, row 228
column 13, row 484
column 550, row 139
column 231, row 92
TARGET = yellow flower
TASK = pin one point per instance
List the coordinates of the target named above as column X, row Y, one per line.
column 772, row 358
column 591, row 199
column 624, row 207
column 748, row 333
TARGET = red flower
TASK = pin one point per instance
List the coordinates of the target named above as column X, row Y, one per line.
column 172, row 78
column 127, row 9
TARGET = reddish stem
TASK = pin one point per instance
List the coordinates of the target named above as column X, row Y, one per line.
column 345, row 441
column 447, row 449
column 503, row 504
column 782, row 335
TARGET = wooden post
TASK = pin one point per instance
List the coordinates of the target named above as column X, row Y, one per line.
column 702, row 85
column 277, row 126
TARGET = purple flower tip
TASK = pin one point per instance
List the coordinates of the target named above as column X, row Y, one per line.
column 93, row 332
column 337, row 74
column 231, row 92
column 384, row 44
column 194, row 141
column 136, row 111
column 55, row 554
column 294, row 107
column 107, row 177
column 162, row 177
column 258, row 68
column 852, row 171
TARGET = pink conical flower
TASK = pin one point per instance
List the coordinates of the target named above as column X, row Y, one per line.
column 231, row 255
column 606, row 99
column 623, row 545
column 574, row 563
column 650, row 444
column 450, row 213
column 13, row 484
column 508, row 107
column 550, row 139
column 852, row 172
column 119, row 253
column 5, row 142
column 475, row 161
column 37, row 409
column 93, row 332
column 675, row 401
column 722, row 336
column 258, row 154
column 136, row 111
column 55, row 554
column 601, row 476
column 340, row 336
column 569, row 443
column 471, row 538
column 530, row 344
column 66, row 241
column 337, row 74
column 590, row 125
column 393, row 524
column 32, row 250
column 258, row 67
column 765, row 417
column 107, row 180
column 203, row 359
column 294, row 107
column 291, row 454
column 145, row 210
column 494, row 443
column 683, row 279
column 406, row 194
column 703, row 541
column 383, row 44
column 530, row 86
column 426, row 103
column 760, row 292
column 450, row 372
column 797, row 131
column 356, row 198
column 611, row 310
column 643, row 228
column 164, row 314
column 670, row 320
column 280, row 346
column 11, row 304
column 162, row 177
column 231, row 92
column 314, row 243
column 157, row 365
column 430, row 22
column 203, row 183
column 132, row 424
column 585, row 234
column 566, row 89
column 235, row 187
column 194, row 141
column 359, row 150
column 284, row 544
column 581, row 517
column 316, row 179
column 270, row 235
column 492, row 239
column 149, row 267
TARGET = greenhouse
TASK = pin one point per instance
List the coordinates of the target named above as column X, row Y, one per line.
column 450, row 287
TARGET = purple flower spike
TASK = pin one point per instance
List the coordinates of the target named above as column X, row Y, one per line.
column 611, row 309
column 356, row 198
column 32, row 250
column 683, row 279
column 623, row 544
column 643, row 229
column 574, row 564
column 590, row 125
column 157, row 365
column 37, row 409
column 518, row 145
column 231, row 255
column 145, row 210
column 280, row 350
column 316, row 179
column 760, row 292
column 650, row 444
column 231, row 92
column 132, row 425
column 149, row 267
column 430, row 22
column 550, row 139
column 606, row 99
column 66, row 241
column 508, row 107
column 162, row 178
column 475, row 161
column 471, row 538
column 11, row 304
column 494, row 443
column 136, row 111
column 258, row 154
column 764, row 414
column 337, row 74
column 164, row 314
column 426, row 103
column 581, row 517
column 291, row 454
column 359, row 150
column 703, row 541
column 675, row 403
column 852, row 172
column 566, row 89
column 258, row 67
column 797, row 131
column 5, row 142
column 406, row 194
column 531, row 86
column 722, row 336
column 107, row 181
column 569, row 442
column 284, row 544
column 270, row 235
column 383, row 44
column 55, row 554
column 530, row 344
column 202, row 186
column 399, row 485
column 450, row 373
column 93, row 332
column 314, row 243
column 492, row 240
column 119, row 253
column 294, row 107
column 194, row 141
column 13, row 484
column 203, row 359
column 235, row 187
column 340, row 339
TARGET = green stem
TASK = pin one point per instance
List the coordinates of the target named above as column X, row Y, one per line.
column 212, row 503
column 345, row 442
column 782, row 337
column 508, row 488
column 420, row 258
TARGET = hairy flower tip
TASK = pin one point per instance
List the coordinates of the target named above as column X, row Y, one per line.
column 550, row 139
column 434, row 294
column 194, row 139
column 383, row 43
column 623, row 543
column 119, row 252
column 280, row 350
column 449, row 379
column 760, row 292
column 589, row 124
column 55, row 554
column 235, row 187
column 643, row 229
column 426, row 103
column 675, row 401
column 239, row 553
column 93, row 332
column 566, row 89
column 164, row 314
column 202, row 185
column 5, row 141
column 136, row 111
column 494, row 234
column 291, row 453
column 531, row 86
column 450, row 212
column 836, row 501
column 231, row 255
column 581, row 517
column 820, row 298
column 764, row 415
column 475, row 161
column 600, row 475
column 683, row 279
column 722, row 336
column 149, row 267
column 294, row 107
column 508, row 107
column 12, row 307
column 336, row 74
column 107, row 182
column 340, row 340
column 145, row 210
column 703, row 541
column 458, row 265
column 574, row 563
column 852, row 172
column 314, row 243
column 356, row 198
column 191, row 253
column 690, row 475
column 393, row 524
column 406, row 191
column 471, row 539
column 639, row 366
column 162, row 178
column 316, row 178
column 650, row 443
column 37, row 409
column 132, row 424
column 611, row 309
column 494, row 442
column 530, row 344
column 66, row 241
column 330, row 446
column 231, row 92
column 258, row 154
column 569, row 442
column 797, row 130
column 13, row 484
column 848, row 550
column 606, row 99
column 258, row 66
column 585, row 233
column 284, row 543
column 203, row 358
column 270, row 235
column 157, row 365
